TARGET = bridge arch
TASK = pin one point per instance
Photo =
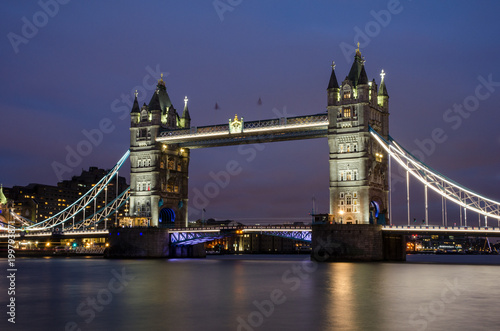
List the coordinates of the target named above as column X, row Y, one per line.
column 166, row 218
column 378, row 211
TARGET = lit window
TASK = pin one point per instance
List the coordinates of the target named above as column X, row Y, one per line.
column 347, row 112
column 348, row 175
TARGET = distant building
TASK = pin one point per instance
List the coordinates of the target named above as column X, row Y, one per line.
column 38, row 202
column 256, row 243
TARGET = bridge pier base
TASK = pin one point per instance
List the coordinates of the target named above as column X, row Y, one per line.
column 355, row 243
column 130, row 243
column 138, row 243
column 191, row 251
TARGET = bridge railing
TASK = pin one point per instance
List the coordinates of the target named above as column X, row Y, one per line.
column 245, row 227
column 442, row 228
column 277, row 123
column 45, row 233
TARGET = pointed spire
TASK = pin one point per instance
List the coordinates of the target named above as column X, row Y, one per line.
column 185, row 114
column 160, row 81
column 163, row 97
column 363, row 78
column 333, row 79
column 382, row 90
column 154, row 103
column 259, row 102
column 357, row 68
column 3, row 199
column 216, row 106
column 135, row 107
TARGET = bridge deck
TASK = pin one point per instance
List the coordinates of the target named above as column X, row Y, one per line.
column 283, row 229
column 443, row 230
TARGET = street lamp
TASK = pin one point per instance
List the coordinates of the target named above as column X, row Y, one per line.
column 341, row 212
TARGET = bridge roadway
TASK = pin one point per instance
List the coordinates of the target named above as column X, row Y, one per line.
column 73, row 234
column 191, row 236
column 487, row 231
column 180, row 236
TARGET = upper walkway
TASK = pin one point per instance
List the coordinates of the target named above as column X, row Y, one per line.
column 238, row 131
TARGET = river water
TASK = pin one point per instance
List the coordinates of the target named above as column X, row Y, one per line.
column 254, row 292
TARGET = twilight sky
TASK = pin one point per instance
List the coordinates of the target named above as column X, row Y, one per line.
column 79, row 65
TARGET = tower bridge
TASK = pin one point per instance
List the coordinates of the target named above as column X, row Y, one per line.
column 361, row 151
column 161, row 141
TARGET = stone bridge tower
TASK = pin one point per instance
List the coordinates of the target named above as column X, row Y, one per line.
column 358, row 166
column 158, row 172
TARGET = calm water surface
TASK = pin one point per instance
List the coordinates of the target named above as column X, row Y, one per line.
column 255, row 292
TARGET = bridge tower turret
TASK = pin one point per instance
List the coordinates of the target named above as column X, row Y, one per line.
column 144, row 155
column 158, row 172
column 358, row 166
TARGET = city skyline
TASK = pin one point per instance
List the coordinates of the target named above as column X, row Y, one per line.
column 73, row 82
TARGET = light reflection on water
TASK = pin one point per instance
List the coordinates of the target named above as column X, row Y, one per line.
column 224, row 292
